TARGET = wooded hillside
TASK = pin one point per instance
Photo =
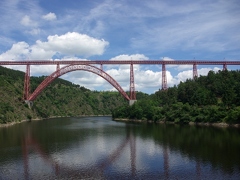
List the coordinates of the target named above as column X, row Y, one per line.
column 211, row 98
column 61, row 98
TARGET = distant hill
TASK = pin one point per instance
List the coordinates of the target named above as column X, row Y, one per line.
column 61, row 98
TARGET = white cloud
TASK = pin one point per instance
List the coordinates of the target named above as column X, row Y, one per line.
column 130, row 57
column 69, row 44
column 35, row 31
column 126, row 57
column 18, row 51
column 50, row 16
column 73, row 43
column 188, row 74
column 40, row 53
column 182, row 67
column 182, row 76
column 30, row 24
column 167, row 59
column 26, row 21
column 204, row 71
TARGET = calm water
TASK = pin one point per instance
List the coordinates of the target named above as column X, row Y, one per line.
column 99, row 148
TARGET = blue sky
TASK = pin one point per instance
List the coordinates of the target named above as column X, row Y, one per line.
column 123, row 29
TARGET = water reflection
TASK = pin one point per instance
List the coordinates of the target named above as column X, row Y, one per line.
column 29, row 143
column 103, row 149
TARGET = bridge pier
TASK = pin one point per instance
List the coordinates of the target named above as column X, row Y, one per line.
column 58, row 67
column 164, row 77
column 29, row 103
column 224, row 67
column 195, row 73
column 131, row 102
column 26, row 82
column 132, row 87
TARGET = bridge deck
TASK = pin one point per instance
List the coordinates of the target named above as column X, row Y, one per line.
column 149, row 62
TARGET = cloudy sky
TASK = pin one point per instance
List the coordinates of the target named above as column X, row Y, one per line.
column 121, row 30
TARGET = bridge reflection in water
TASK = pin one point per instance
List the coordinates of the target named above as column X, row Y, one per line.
column 90, row 147
column 31, row 144
column 97, row 170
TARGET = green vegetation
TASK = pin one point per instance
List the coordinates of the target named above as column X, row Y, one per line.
column 61, row 98
column 212, row 98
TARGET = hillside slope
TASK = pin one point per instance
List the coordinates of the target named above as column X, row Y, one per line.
column 212, row 98
column 61, row 98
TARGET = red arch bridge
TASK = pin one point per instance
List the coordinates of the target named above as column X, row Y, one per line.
column 74, row 65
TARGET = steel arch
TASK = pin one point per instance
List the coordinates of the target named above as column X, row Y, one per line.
column 71, row 68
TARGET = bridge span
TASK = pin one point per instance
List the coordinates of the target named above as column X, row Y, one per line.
column 88, row 65
column 107, row 62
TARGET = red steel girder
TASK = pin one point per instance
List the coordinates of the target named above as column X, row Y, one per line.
column 75, row 67
column 68, row 62
column 132, row 86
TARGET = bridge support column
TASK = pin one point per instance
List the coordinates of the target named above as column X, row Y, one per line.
column 132, row 86
column 224, row 67
column 58, row 68
column 29, row 103
column 131, row 102
column 164, row 77
column 195, row 73
column 26, row 83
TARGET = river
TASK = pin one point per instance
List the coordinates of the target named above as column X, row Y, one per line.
column 99, row 148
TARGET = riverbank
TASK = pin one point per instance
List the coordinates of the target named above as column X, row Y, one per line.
column 25, row 120
column 38, row 119
column 220, row 124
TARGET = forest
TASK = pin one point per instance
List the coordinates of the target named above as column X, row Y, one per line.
column 61, row 98
column 214, row 98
